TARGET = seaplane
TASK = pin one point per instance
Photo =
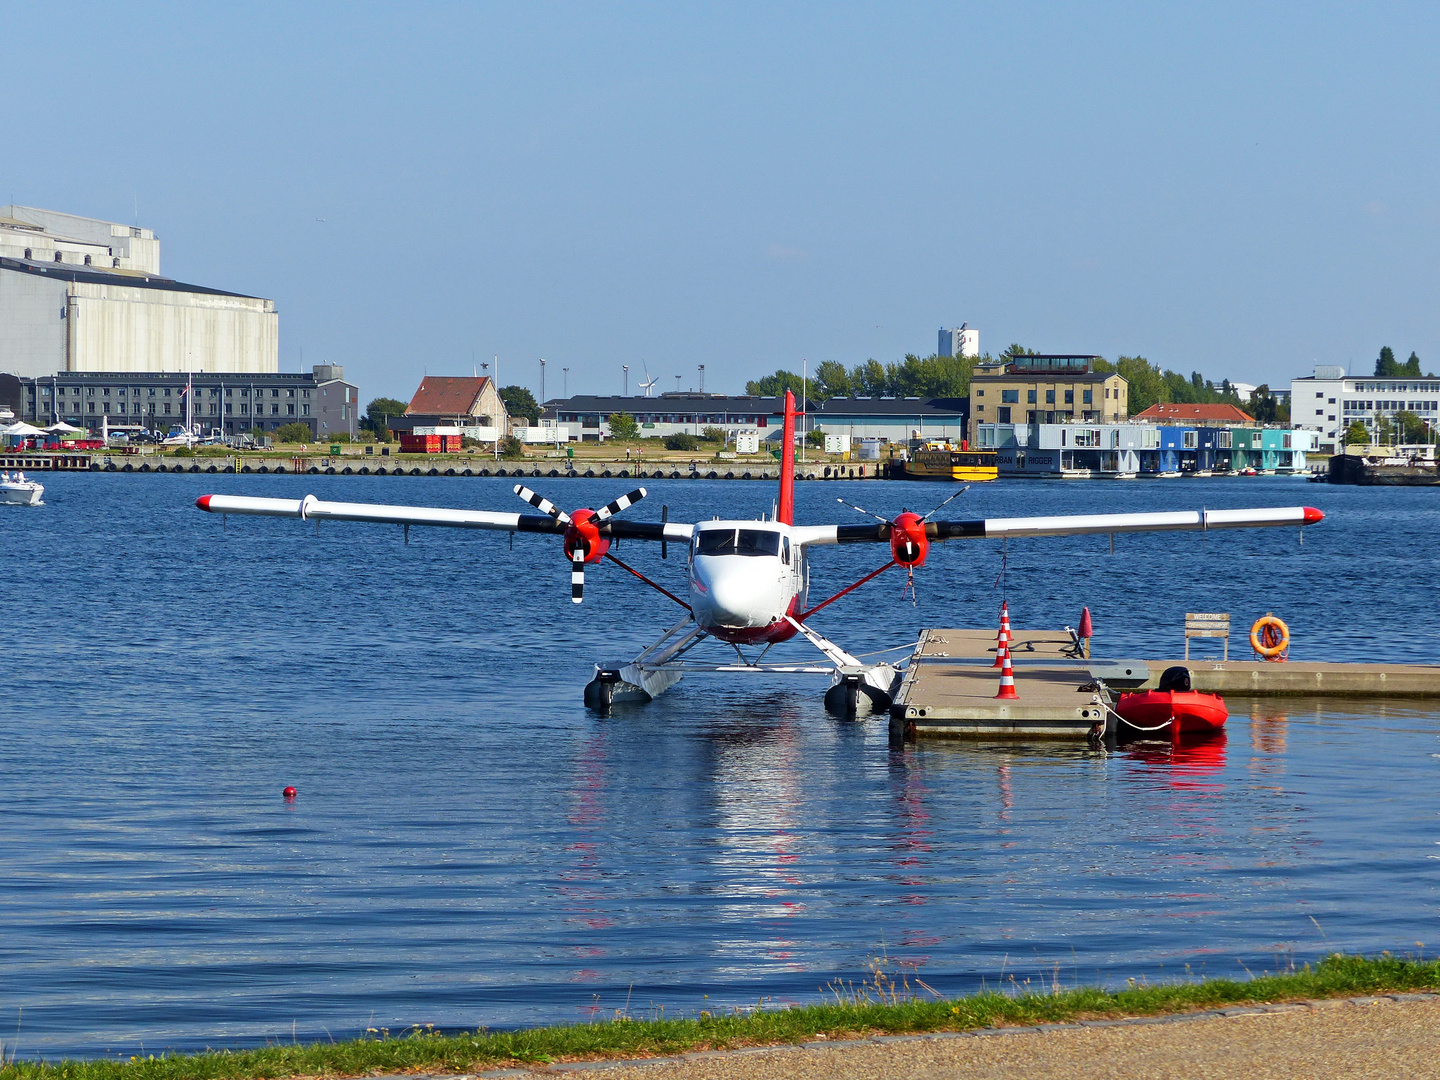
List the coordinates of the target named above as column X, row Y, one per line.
column 748, row 582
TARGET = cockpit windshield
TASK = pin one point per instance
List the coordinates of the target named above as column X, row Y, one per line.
column 737, row 542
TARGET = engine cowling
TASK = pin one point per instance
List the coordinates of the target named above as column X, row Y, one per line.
column 908, row 543
column 583, row 535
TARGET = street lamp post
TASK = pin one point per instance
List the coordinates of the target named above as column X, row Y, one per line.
column 542, row 382
column 626, row 368
column 564, row 382
column 804, row 386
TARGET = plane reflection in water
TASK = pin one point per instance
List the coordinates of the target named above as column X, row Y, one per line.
column 759, row 834
column 584, row 895
column 912, row 831
column 911, row 840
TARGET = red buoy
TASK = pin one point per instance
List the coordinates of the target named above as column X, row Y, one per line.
column 290, row 793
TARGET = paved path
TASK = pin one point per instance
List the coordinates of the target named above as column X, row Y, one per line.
column 1359, row 1037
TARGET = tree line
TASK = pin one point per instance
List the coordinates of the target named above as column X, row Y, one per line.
column 949, row 376
column 1387, row 366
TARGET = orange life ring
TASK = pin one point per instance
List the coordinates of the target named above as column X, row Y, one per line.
column 1269, row 637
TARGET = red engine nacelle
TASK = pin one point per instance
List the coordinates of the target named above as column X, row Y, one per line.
column 908, row 543
column 583, row 534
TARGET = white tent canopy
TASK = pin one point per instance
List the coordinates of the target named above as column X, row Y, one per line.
column 21, row 430
column 62, row 428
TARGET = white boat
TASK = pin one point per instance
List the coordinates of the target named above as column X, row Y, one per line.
column 15, row 490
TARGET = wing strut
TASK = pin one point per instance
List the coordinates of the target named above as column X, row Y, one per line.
column 848, row 589
column 647, row 581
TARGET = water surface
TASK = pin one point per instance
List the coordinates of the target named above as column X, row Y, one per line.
column 470, row 846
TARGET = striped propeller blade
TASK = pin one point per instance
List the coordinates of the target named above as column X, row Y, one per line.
column 577, row 578
column 544, row 505
column 624, row 502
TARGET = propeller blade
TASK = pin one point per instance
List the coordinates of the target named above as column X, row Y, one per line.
column 544, row 505
column 577, row 578
column 952, row 498
column 622, row 503
column 664, row 517
column 867, row 513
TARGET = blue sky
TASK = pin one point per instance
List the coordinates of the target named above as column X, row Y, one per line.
column 1239, row 189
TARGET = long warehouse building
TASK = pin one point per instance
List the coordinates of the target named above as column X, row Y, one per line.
column 80, row 294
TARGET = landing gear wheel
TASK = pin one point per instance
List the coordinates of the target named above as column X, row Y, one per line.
column 842, row 699
column 600, row 692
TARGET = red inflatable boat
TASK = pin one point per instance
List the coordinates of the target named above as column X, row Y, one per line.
column 1175, row 712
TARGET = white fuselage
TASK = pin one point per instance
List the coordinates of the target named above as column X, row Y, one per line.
column 745, row 578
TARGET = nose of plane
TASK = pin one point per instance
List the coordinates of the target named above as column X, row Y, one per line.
column 729, row 603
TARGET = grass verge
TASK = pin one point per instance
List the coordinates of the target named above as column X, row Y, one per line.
column 851, row 1014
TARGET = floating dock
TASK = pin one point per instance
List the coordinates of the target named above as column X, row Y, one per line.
column 950, row 685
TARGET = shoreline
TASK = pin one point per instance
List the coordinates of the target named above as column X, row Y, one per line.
column 303, row 463
column 885, row 1010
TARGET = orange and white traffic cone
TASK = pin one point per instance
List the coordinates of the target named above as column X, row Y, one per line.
column 1002, row 641
column 1007, row 681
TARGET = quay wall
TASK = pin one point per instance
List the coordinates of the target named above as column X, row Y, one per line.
column 431, row 465
column 367, row 466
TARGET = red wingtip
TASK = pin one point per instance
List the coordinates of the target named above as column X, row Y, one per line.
column 203, row 502
column 1312, row 515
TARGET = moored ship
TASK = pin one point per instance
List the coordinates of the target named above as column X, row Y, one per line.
column 945, row 461
column 1410, row 470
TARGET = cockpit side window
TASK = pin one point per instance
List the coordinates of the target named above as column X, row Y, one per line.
column 785, row 550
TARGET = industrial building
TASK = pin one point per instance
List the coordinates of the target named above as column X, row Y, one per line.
column 893, row 419
column 79, row 294
column 1329, row 401
column 231, row 404
column 1045, row 389
column 587, row 416
column 959, row 342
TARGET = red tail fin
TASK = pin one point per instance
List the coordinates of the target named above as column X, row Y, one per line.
column 786, row 510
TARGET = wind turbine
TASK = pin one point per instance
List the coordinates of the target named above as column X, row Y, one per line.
column 649, row 382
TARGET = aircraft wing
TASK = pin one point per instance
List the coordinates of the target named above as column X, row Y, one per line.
column 312, row 509
column 1070, row 525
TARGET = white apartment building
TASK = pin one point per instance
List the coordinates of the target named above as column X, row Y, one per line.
column 1330, row 401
